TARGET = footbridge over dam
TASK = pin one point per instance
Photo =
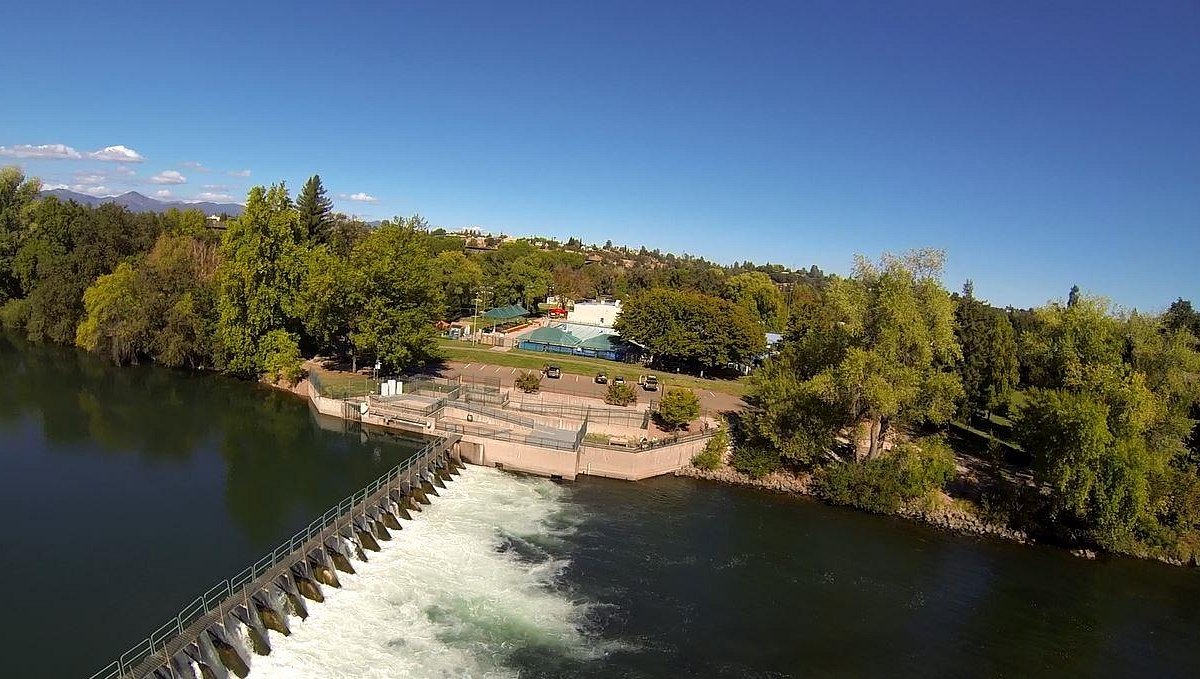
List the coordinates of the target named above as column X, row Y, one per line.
column 217, row 635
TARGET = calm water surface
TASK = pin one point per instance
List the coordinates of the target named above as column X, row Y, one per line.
column 131, row 490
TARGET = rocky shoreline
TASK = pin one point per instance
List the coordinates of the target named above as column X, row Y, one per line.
column 946, row 517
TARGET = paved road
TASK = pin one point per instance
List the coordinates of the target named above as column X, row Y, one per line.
column 580, row 385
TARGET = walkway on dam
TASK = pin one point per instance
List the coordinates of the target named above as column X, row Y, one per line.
column 291, row 563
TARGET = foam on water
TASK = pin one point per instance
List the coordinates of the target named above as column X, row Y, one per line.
column 465, row 586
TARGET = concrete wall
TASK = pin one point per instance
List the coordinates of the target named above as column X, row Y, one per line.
column 617, row 464
column 636, row 465
column 518, row 457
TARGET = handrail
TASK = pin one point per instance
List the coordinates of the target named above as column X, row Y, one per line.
column 234, row 586
column 499, row 414
column 651, row 445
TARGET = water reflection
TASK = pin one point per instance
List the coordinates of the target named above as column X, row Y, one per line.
column 280, row 468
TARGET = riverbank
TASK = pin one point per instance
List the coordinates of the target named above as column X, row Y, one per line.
column 946, row 513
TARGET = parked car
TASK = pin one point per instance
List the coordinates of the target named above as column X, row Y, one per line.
column 618, row 380
column 557, row 313
column 649, row 382
column 601, row 378
column 552, row 371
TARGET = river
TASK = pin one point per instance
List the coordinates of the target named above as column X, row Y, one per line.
column 131, row 490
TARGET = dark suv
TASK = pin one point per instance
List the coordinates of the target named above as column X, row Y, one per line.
column 553, row 372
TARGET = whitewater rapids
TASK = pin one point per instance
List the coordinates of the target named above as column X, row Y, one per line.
column 462, row 589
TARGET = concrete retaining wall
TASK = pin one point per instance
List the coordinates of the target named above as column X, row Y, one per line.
column 636, row 465
column 630, row 465
column 518, row 457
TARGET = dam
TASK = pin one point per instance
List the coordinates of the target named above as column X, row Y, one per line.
column 216, row 635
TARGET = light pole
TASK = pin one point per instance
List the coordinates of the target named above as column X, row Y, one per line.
column 475, row 322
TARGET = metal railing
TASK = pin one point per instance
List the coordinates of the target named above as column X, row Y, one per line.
column 621, row 416
column 499, row 414
column 534, row 438
column 648, row 444
column 235, row 586
column 350, row 385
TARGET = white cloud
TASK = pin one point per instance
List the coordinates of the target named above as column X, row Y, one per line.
column 359, row 197
column 125, row 170
column 52, row 187
column 239, row 173
column 194, row 165
column 121, row 154
column 89, row 178
column 118, row 153
column 162, row 193
column 168, row 177
column 47, row 151
column 94, row 190
column 216, row 197
column 217, row 187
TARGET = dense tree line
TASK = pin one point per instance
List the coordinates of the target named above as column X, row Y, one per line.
column 1098, row 406
column 1102, row 403
column 292, row 278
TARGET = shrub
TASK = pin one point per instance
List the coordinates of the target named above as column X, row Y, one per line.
column 279, row 357
column 755, row 461
column 714, row 451
column 620, row 395
column 14, row 314
column 529, row 382
column 884, row 484
column 678, row 407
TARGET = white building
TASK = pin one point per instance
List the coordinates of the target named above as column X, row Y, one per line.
column 595, row 312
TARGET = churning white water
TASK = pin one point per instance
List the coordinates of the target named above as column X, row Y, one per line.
column 456, row 593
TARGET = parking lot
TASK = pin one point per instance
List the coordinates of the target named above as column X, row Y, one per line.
column 580, row 385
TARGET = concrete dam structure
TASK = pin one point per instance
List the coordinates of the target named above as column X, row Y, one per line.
column 218, row 634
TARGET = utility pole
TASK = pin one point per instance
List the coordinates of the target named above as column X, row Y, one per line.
column 475, row 323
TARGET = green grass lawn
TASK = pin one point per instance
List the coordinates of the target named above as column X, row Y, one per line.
column 344, row 384
column 456, row 350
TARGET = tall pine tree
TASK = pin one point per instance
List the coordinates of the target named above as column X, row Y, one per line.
column 988, row 368
column 316, row 210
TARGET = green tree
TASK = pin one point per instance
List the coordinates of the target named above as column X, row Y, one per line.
column 261, row 271
column 459, row 277
column 620, row 395
column 114, row 323
column 989, row 367
column 16, row 195
column 678, row 407
column 323, row 300
column 529, row 382
column 1107, row 429
column 691, row 330
column 878, row 348
column 1063, row 341
column 713, row 453
column 1181, row 316
column 758, row 294
column 396, row 296
column 316, row 210
column 279, row 356
column 885, row 484
column 158, row 306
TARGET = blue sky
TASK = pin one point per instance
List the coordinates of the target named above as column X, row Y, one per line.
column 1041, row 144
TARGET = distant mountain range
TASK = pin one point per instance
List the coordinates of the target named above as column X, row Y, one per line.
column 136, row 202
